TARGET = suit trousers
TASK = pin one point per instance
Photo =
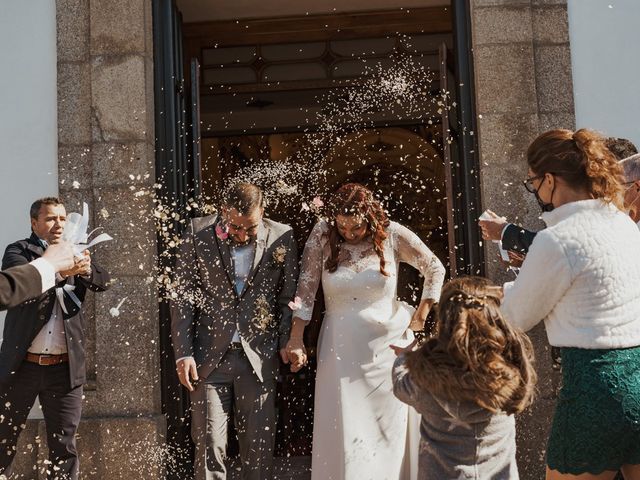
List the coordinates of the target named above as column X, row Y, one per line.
column 61, row 407
column 234, row 386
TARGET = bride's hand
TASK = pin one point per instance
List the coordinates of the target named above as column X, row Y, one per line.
column 296, row 353
column 400, row 350
column 419, row 317
column 417, row 322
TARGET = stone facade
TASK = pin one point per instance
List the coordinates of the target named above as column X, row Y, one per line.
column 106, row 157
column 523, row 88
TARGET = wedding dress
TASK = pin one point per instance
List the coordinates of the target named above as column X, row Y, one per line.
column 361, row 431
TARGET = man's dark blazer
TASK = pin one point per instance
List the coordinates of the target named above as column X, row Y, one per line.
column 23, row 322
column 517, row 239
column 19, row 284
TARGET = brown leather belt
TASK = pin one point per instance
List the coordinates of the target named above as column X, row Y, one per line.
column 47, row 360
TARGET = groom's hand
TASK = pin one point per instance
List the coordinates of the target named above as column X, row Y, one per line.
column 186, row 368
column 296, row 354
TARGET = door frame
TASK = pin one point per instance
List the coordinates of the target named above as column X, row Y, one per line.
column 175, row 173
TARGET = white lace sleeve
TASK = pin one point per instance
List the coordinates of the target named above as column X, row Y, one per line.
column 311, row 271
column 409, row 248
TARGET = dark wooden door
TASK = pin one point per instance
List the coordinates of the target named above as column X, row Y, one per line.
column 177, row 161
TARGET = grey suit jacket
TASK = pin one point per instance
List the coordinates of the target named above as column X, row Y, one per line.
column 204, row 328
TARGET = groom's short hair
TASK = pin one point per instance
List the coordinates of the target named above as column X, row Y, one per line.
column 244, row 197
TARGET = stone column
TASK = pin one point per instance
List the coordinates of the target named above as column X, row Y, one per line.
column 106, row 158
column 523, row 87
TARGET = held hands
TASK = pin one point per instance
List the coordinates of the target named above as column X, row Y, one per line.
column 82, row 266
column 294, row 353
column 187, row 372
column 492, row 226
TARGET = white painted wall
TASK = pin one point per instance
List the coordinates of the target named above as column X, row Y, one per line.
column 28, row 111
column 606, row 65
column 28, row 114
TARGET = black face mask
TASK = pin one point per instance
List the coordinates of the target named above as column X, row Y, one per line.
column 545, row 207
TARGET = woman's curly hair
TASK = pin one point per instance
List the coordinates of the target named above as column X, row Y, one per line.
column 581, row 159
column 476, row 355
column 353, row 199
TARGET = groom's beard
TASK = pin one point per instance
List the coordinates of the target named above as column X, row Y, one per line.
column 238, row 243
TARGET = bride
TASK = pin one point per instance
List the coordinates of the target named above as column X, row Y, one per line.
column 360, row 430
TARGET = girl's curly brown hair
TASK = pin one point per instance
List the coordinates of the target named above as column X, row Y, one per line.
column 353, row 199
column 476, row 355
column 581, row 159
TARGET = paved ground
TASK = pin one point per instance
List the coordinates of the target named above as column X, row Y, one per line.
column 298, row 468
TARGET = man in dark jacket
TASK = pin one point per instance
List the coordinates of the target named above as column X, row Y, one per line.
column 42, row 353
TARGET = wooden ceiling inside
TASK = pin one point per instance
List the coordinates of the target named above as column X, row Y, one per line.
column 310, row 28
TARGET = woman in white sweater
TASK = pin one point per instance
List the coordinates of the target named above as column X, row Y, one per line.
column 582, row 277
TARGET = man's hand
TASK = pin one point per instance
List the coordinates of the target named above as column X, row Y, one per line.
column 60, row 256
column 296, row 354
column 493, row 226
column 82, row 266
column 187, row 372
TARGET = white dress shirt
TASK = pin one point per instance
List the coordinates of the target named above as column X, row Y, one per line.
column 47, row 273
column 242, row 259
column 51, row 339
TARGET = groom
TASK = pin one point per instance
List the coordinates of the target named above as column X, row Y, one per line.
column 236, row 275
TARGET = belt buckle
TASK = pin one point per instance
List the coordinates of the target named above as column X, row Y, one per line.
column 40, row 357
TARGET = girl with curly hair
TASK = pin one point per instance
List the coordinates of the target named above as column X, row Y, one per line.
column 361, row 431
column 467, row 382
column 582, row 277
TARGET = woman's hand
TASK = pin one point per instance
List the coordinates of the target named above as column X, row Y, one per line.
column 420, row 315
column 516, row 259
column 417, row 322
column 400, row 350
column 492, row 227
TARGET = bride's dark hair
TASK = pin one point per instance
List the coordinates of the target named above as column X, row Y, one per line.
column 476, row 355
column 353, row 199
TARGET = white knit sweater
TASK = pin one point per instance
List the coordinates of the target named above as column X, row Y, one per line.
column 582, row 276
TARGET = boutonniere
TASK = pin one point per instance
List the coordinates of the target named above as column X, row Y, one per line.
column 262, row 314
column 280, row 254
column 221, row 232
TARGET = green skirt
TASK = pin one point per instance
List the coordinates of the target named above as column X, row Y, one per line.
column 596, row 426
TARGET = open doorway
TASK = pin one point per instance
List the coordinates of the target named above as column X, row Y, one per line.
column 238, row 83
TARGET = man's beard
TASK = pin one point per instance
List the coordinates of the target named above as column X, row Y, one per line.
column 238, row 243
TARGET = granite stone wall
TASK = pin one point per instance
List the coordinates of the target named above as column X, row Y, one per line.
column 523, row 88
column 106, row 158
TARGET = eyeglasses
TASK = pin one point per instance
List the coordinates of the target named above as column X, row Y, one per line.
column 528, row 183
